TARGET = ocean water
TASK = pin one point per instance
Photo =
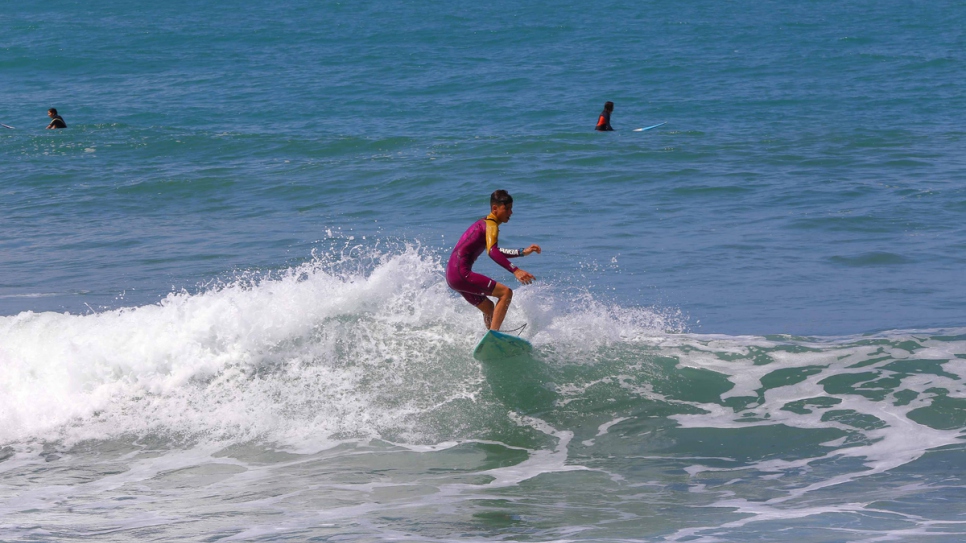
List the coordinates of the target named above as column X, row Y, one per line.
column 223, row 314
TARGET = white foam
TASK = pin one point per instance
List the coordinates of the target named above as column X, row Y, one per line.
column 896, row 441
column 234, row 359
column 355, row 344
column 603, row 428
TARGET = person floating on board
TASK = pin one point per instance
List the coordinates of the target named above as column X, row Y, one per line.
column 603, row 122
column 483, row 235
column 57, row 121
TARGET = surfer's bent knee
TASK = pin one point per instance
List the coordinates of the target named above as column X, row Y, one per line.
column 502, row 291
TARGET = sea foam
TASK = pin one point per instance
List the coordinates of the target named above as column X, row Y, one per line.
column 361, row 344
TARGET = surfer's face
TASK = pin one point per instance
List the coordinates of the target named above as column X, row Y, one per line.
column 502, row 212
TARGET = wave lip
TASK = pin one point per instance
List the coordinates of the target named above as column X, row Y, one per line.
column 363, row 344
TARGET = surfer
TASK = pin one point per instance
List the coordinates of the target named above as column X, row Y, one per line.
column 57, row 121
column 603, row 122
column 483, row 235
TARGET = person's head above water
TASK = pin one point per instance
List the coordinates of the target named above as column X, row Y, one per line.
column 501, row 205
column 608, row 106
column 501, row 197
column 52, row 112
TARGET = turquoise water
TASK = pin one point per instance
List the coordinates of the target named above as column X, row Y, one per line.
column 222, row 311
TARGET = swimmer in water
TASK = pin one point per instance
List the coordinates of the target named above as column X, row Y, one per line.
column 483, row 235
column 603, row 122
column 56, row 120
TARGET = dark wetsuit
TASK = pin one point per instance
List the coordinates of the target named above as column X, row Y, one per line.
column 57, row 122
column 482, row 235
column 603, row 122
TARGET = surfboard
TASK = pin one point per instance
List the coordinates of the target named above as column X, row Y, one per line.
column 6, row 126
column 496, row 346
column 650, row 127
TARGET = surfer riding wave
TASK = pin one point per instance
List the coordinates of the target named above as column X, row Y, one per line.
column 484, row 235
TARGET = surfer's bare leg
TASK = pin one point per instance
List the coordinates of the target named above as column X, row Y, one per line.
column 486, row 306
column 503, row 294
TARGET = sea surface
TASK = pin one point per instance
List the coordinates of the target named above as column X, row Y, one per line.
column 222, row 308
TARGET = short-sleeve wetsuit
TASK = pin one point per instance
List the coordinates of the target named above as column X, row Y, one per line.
column 482, row 235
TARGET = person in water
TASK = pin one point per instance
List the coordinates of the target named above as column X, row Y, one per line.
column 603, row 122
column 56, row 120
column 484, row 235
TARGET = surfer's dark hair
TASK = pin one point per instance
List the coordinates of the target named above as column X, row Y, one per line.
column 608, row 106
column 53, row 110
column 500, row 197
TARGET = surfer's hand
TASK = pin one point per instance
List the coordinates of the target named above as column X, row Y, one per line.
column 533, row 248
column 523, row 276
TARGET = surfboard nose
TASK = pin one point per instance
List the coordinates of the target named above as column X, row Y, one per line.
column 498, row 346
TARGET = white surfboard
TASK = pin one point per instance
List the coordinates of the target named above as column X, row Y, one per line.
column 499, row 346
column 6, row 126
column 650, row 127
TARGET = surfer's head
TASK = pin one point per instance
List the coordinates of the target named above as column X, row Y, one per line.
column 608, row 106
column 52, row 112
column 501, row 205
column 501, row 197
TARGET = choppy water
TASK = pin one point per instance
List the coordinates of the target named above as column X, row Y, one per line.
column 224, row 314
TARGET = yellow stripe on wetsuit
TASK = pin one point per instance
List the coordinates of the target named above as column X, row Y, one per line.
column 492, row 232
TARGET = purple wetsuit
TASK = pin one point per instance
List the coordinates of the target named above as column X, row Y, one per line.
column 460, row 276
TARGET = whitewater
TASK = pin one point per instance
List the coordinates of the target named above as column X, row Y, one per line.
column 330, row 400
